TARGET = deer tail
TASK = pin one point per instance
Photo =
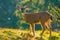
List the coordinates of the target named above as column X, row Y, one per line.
column 51, row 17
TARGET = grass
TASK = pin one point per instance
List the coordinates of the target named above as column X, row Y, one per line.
column 15, row 34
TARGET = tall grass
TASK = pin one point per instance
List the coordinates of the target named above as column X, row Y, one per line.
column 14, row 34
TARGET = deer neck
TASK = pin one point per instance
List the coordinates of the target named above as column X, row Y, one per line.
column 23, row 15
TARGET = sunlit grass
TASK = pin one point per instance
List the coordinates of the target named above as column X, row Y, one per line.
column 15, row 34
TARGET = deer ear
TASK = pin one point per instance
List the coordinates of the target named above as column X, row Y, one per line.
column 18, row 7
column 26, row 7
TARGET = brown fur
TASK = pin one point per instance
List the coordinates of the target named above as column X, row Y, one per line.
column 42, row 18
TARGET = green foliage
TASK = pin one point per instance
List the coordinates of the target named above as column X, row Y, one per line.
column 51, row 6
column 7, row 15
column 11, row 17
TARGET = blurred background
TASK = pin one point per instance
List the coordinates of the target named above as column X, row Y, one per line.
column 10, row 16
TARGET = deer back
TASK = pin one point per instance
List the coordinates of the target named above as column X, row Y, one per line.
column 31, row 18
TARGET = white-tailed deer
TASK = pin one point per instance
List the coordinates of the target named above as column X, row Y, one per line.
column 43, row 18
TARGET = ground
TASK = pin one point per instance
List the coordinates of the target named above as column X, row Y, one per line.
column 16, row 34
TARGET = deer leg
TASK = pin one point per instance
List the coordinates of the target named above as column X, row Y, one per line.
column 32, row 29
column 49, row 28
column 43, row 29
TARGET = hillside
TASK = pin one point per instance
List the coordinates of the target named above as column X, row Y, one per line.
column 15, row 34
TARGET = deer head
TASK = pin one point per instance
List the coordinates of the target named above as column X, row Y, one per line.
column 22, row 8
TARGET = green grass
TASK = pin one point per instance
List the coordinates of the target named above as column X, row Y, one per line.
column 14, row 34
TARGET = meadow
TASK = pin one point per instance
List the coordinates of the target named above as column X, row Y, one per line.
column 16, row 34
